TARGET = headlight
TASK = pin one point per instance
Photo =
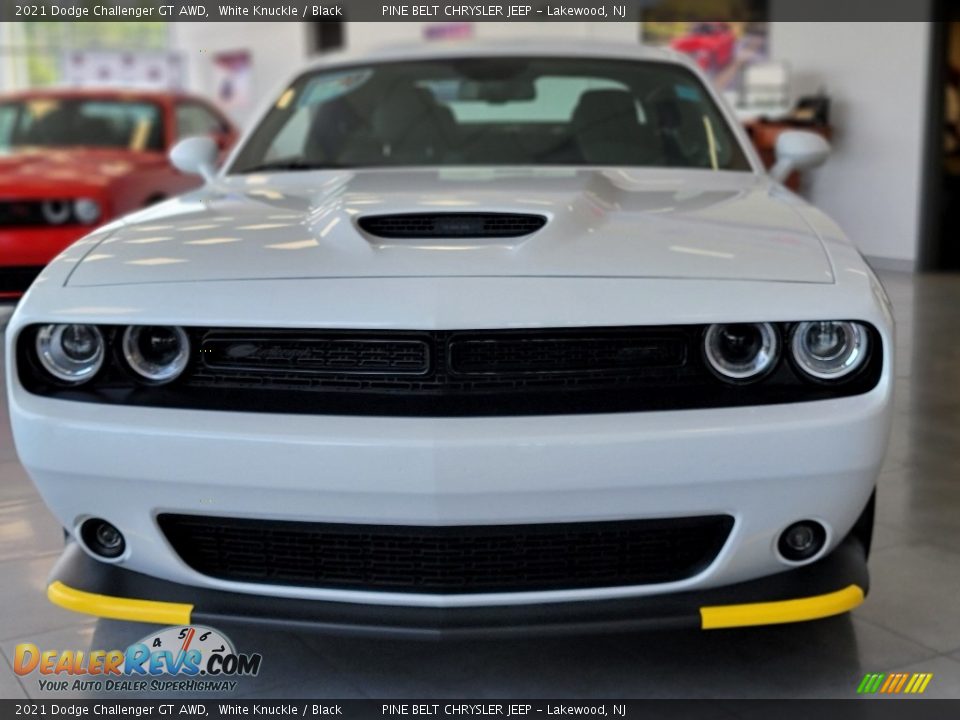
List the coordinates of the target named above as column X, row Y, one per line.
column 742, row 351
column 157, row 354
column 829, row 350
column 86, row 211
column 56, row 212
column 71, row 353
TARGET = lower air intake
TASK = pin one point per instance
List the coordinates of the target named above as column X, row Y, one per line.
column 447, row 559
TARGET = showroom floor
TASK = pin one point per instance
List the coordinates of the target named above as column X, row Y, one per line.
column 910, row 622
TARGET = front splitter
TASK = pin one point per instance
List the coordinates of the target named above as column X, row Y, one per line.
column 831, row 586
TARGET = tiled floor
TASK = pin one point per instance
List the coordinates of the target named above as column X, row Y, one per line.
column 911, row 621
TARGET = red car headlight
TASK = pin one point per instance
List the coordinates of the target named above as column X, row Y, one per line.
column 82, row 211
column 87, row 210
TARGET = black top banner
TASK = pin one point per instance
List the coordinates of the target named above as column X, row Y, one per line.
column 512, row 709
column 441, row 10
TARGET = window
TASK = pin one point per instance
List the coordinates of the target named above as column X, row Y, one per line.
column 554, row 100
column 495, row 111
column 193, row 119
column 69, row 122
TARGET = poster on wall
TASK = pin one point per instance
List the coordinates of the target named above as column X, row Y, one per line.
column 448, row 31
column 723, row 49
column 142, row 69
column 232, row 80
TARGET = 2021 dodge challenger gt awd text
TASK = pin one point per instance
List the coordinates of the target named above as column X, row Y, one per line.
column 465, row 340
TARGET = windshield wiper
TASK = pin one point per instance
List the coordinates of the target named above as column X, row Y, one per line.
column 276, row 165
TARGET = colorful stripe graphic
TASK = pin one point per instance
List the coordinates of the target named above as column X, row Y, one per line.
column 894, row 683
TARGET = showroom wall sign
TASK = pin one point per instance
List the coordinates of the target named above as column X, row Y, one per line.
column 722, row 49
column 191, row 658
column 232, row 79
column 142, row 69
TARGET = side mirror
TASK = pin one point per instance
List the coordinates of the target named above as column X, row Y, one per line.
column 798, row 150
column 196, row 156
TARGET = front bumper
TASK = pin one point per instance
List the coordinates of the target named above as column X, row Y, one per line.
column 767, row 467
column 833, row 585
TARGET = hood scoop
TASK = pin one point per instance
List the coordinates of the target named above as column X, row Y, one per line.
column 451, row 225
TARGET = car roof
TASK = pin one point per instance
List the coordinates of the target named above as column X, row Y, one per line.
column 567, row 47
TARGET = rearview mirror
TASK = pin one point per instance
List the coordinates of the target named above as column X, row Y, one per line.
column 196, row 156
column 497, row 92
column 798, row 150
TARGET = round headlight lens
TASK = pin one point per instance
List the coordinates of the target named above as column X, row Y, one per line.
column 71, row 353
column 86, row 211
column 742, row 351
column 157, row 354
column 56, row 212
column 829, row 350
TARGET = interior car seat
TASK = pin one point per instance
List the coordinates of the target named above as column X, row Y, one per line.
column 607, row 130
column 407, row 122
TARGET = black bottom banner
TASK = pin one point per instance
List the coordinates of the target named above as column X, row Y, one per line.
column 646, row 709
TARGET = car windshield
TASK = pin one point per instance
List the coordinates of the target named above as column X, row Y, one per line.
column 73, row 122
column 494, row 111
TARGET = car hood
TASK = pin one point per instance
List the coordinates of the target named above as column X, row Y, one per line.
column 50, row 172
column 599, row 223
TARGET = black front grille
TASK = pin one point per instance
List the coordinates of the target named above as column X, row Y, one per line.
column 21, row 213
column 452, row 225
column 17, row 279
column 36, row 213
column 441, row 372
column 325, row 353
column 448, row 559
column 578, row 353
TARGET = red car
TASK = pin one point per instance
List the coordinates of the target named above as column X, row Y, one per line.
column 72, row 160
column 712, row 44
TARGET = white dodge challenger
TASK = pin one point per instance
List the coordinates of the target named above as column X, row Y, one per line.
column 465, row 340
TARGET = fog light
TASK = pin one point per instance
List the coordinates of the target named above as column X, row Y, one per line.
column 102, row 538
column 802, row 540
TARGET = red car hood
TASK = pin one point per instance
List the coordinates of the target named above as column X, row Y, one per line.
column 44, row 172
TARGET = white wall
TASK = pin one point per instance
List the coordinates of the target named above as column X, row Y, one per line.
column 361, row 36
column 876, row 74
column 277, row 50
